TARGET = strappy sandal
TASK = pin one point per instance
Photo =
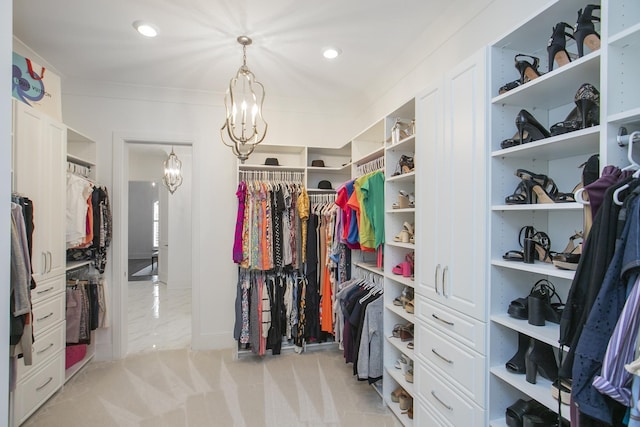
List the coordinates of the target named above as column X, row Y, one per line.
column 405, row 235
column 526, row 232
column 395, row 394
column 570, row 257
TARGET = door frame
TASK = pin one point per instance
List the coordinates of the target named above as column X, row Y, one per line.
column 120, row 211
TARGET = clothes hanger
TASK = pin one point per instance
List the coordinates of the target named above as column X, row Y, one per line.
column 630, row 140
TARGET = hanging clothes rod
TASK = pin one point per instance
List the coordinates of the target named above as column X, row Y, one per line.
column 371, row 166
column 273, row 176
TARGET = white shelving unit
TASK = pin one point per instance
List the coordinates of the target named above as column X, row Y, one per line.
column 549, row 98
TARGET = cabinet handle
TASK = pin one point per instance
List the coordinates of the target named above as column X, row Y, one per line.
column 45, row 317
column 44, row 264
column 44, row 291
column 50, row 261
column 444, row 274
column 433, row 393
column 436, row 278
column 45, row 349
column 45, row 384
column 450, row 362
column 446, row 322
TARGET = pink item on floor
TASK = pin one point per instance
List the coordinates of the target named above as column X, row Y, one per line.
column 74, row 354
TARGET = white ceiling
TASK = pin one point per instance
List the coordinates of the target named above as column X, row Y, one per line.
column 196, row 47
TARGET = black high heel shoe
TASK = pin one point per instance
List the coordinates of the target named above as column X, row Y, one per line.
column 516, row 364
column 587, row 100
column 528, row 69
column 529, row 130
column 557, row 46
column 586, row 113
column 540, row 359
column 585, row 31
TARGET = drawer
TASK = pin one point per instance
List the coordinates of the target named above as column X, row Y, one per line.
column 424, row 415
column 445, row 401
column 34, row 391
column 469, row 331
column 44, row 347
column 464, row 367
column 48, row 312
column 48, row 288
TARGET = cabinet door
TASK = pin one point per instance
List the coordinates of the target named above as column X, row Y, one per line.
column 463, row 200
column 40, row 146
column 430, row 224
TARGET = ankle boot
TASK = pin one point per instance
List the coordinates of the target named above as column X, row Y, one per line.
column 516, row 363
column 540, row 358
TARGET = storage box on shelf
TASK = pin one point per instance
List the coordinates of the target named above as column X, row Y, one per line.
column 549, row 99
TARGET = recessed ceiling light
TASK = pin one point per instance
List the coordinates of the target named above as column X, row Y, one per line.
column 145, row 28
column 331, row 52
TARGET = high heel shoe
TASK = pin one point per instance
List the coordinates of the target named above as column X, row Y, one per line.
column 557, row 46
column 529, row 130
column 585, row 32
column 586, row 113
column 540, row 359
column 522, row 195
column 587, row 99
column 528, row 69
column 516, row 363
column 570, row 257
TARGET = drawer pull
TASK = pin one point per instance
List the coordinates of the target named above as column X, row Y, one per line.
column 446, row 322
column 47, row 383
column 45, row 317
column 450, row 362
column 45, row 290
column 433, row 393
column 45, row 349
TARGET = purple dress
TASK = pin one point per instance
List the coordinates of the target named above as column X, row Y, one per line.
column 237, row 243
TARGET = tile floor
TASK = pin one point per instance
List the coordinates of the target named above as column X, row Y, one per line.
column 159, row 318
column 162, row 383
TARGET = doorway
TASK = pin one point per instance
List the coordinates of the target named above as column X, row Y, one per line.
column 155, row 309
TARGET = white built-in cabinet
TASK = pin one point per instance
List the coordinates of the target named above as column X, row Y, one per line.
column 41, row 148
column 452, row 245
column 39, row 174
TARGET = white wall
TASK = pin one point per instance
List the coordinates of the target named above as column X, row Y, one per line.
column 180, row 226
column 102, row 110
column 5, row 191
column 142, row 195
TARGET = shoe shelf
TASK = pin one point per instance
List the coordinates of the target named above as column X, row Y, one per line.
column 541, row 268
column 409, row 317
column 583, row 141
column 403, row 281
column 552, row 89
column 401, row 245
column 541, row 391
column 401, row 346
column 549, row 98
column 539, row 207
column 548, row 333
column 409, row 177
column 402, row 415
column 398, row 377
